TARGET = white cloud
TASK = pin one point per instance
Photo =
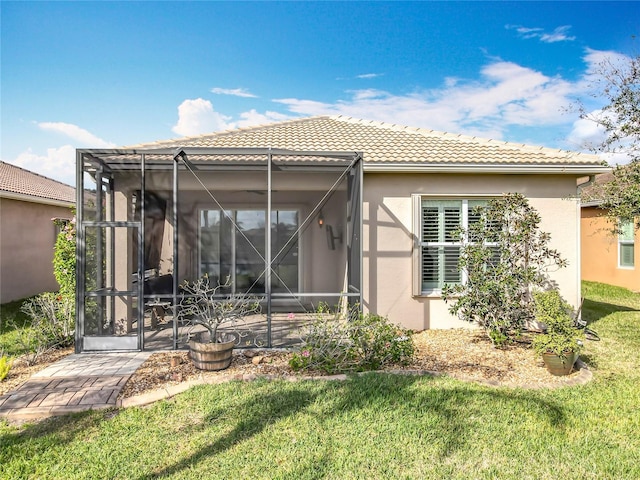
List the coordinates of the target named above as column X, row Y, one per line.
column 252, row 117
column 197, row 116
column 595, row 57
column 369, row 75
column 237, row 92
column 506, row 94
column 80, row 135
column 525, row 32
column 586, row 134
column 559, row 34
column 58, row 163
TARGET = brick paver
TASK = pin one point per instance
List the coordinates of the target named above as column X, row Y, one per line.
column 75, row 383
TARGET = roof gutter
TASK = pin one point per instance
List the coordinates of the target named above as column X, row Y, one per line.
column 590, row 181
column 504, row 169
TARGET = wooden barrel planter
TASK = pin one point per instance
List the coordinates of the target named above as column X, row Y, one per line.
column 557, row 365
column 210, row 356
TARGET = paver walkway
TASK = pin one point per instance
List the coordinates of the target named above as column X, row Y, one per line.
column 78, row 382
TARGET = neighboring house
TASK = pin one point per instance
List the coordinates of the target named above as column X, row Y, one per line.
column 28, row 204
column 607, row 256
column 345, row 211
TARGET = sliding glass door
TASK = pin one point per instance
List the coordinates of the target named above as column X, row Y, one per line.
column 232, row 245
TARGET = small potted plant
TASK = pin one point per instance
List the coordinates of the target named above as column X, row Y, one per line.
column 205, row 305
column 562, row 341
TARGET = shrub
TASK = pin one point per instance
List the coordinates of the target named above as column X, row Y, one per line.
column 52, row 324
column 64, row 257
column 339, row 344
column 561, row 334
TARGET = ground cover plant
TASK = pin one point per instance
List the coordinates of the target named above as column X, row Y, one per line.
column 374, row 425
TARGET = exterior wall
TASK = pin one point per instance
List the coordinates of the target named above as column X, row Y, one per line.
column 321, row 269
column 27, row 238
column 388, row 237
column 600, row 252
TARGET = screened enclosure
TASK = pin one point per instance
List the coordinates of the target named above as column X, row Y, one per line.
column 284, row 227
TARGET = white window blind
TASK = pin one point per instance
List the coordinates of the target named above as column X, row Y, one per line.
column 440, row 242
column 626, row 245
column 441, row 219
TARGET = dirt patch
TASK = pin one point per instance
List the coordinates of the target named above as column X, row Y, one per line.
column 464, row 354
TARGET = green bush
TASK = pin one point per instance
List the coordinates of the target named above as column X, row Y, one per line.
column 64, row 257
column 561, row 335
column 364, row 342
column 52, row 324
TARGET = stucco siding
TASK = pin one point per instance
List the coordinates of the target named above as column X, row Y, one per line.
column 27, row 239
column 600, row 252
column 388, row 236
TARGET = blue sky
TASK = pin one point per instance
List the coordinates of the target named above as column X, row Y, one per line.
column 102, row 74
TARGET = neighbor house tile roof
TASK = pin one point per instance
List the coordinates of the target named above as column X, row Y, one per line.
column 381, row 143
column 19, row 181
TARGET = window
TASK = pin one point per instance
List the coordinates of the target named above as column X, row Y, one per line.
column 238, row 253
column 439, row 243
column 626, row 245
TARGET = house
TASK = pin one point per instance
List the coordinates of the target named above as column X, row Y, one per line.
column 28, row 204
column 607, row 256
column 324, row 209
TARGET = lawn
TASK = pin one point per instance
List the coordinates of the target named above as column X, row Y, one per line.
column 371, row 426
column 12, row 322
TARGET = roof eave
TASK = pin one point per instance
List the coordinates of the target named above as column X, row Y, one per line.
column 34, row 199
column 592, row 203
column 372, row 167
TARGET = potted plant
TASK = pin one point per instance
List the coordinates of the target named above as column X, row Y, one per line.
column 562, row 341
column 204, row 305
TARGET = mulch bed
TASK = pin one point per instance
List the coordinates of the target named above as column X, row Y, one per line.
column 461, row 353
column 464, row 354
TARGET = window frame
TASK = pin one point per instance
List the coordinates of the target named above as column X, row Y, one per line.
column 419, row 244
column 232, row 210
column 626, row 239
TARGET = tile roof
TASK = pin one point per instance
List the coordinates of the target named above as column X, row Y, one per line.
column 17, row 180
column 382, row 143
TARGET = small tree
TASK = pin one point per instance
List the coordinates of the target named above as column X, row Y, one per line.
column 619, row 197
column 617, row 82
column 504, row 256
column 205, row 305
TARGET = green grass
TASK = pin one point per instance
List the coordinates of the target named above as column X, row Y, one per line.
column 12, row 322
column 373, row 426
